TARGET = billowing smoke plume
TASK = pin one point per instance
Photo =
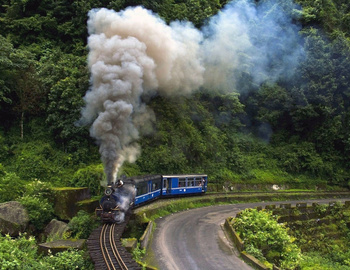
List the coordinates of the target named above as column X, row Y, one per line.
column 126, row 195
column 134, row 53
column 251, row 40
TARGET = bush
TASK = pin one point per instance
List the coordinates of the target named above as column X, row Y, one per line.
column 314, row 260
column 39, row 189
column 91, row 177
column 11, row 186
column 40, row 211
column 301, row 158
column 4, row 148
column 21, row 253
column 138, row 253
column 68, row 260
column 260, row 231
column 16, row 253
column 33, row 160
column 81, row 225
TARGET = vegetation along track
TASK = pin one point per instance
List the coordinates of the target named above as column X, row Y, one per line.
column 106, row 249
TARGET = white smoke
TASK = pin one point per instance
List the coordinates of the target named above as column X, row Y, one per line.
column 134, row 53
column 126, row 195
column 258, row 39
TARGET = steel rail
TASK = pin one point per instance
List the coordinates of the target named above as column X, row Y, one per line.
column 103, row 246
column 115, row 250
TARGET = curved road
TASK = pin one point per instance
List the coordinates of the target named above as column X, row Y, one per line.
column 194, row 239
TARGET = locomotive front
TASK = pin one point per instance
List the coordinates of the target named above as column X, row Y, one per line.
column 117, row 200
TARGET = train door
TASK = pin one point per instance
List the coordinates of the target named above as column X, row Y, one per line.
column 149, row 186
column 204, row 184
column 167, row 185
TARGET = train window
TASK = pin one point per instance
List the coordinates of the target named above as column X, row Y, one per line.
column 141, row 189
column 182, row 182
column 190, row 182
column 198, row 182
column 155, row 186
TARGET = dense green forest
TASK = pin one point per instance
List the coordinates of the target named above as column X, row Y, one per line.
column 294, row 130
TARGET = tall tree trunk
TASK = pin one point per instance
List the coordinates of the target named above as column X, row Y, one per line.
column 21, row 124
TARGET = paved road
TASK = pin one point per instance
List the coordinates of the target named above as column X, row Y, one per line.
column 193, row 239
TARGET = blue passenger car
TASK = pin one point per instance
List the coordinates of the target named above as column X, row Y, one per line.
column 148, row 188
column 184, row 184
column 135, row 191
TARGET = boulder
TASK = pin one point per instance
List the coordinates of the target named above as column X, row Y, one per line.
column 55, row 229
column 13, row 218
column 61, row 245
column 65, row 200
column 88, row 206
column 130, row 244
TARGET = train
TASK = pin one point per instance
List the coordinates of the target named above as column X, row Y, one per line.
column 128, row 193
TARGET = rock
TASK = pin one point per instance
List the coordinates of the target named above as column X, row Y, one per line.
column 13, row 218
column 55, row 229
column 65, row 200
column 130, row 244
column 88, row 206
column 61, row 245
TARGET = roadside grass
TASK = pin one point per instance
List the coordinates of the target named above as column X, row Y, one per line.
column 315, row 260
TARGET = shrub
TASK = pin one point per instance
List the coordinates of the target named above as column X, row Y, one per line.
column 91, row 177
column 21, row 253
column 138, row 253
column 33, row 160
column 260, row 230
column 81, row 225
column 314, row 260
column 39, row 189
column 67, row 260
column 11, row 186
column 40, row 211
column 16, row 253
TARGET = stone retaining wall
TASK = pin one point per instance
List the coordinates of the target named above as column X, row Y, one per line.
column 144, row 240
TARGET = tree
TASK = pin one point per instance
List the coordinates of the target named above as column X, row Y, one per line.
column 29, row 94
column 6, row 69
column 20, row 91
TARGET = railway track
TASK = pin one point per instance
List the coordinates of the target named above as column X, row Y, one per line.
column 107, row 251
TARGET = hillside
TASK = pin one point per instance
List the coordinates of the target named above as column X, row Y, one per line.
column 281, row 114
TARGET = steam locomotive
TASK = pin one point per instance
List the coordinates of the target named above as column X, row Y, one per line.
column 131, row 192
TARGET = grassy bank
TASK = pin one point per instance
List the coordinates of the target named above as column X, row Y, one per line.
column 164, row 207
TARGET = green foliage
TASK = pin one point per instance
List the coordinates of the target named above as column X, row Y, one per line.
column 67, row 83
column 40, row 160
column 302, row 157
column 17, row 253
column 325, row 240
column 4, row 148
column 34, row 161
column 39, row 209
column 31, row 160
column 81, row 225
column 6, row 69
column 11, row 186
column 138, row 253
column 21, row 253
column 68, row 260
column 321, row 209
column 91, row 176
column 314, row 260
column 266, row 238
column 331, row 14
column 43, row 77
column 37, row 188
